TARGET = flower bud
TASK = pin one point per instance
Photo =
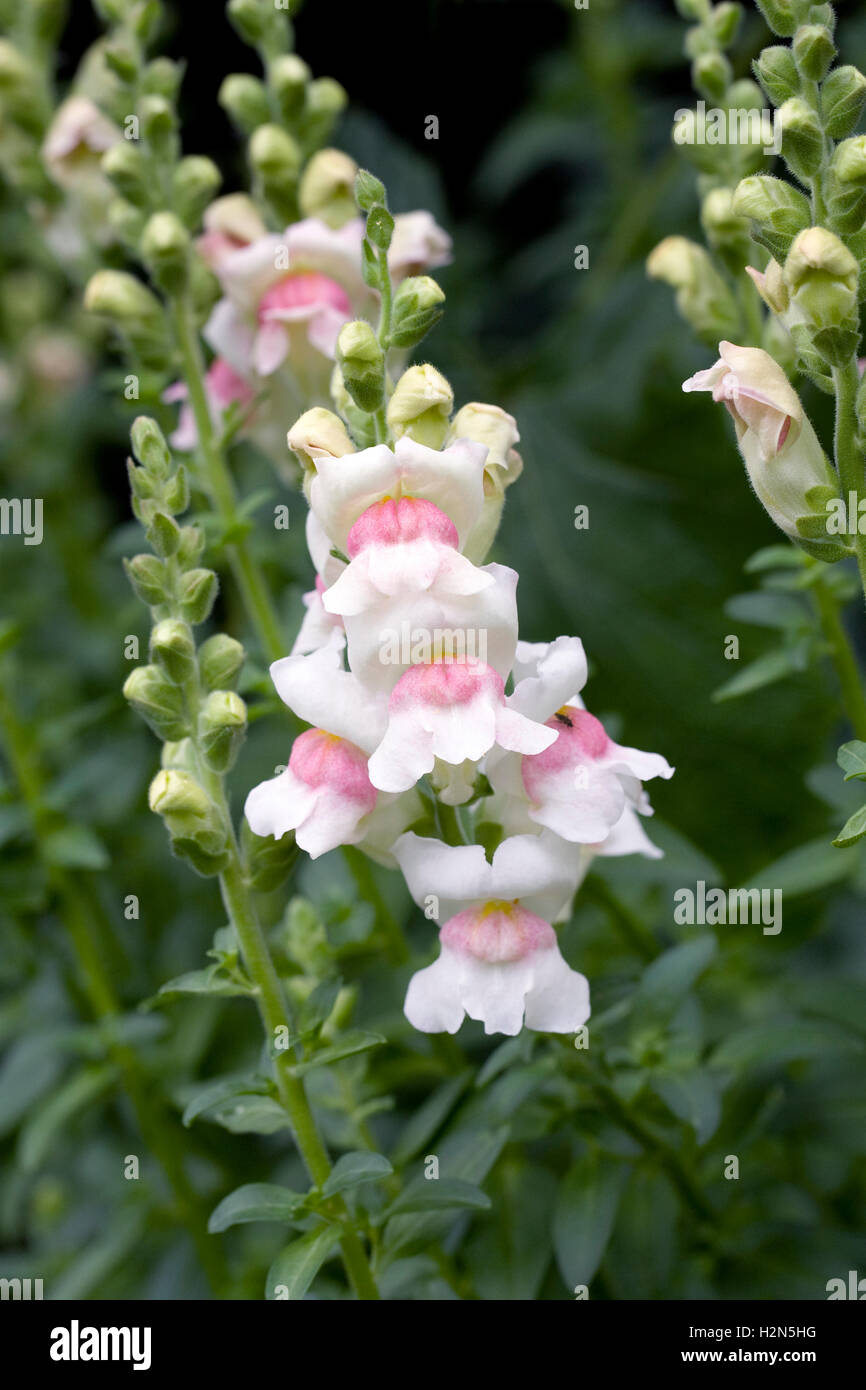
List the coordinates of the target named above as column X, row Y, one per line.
column 162, row 78
column 158, row 125
column 245, row 99
column 220, row 659
column 781, row 15
column 326, row 99
column 362, row 364
column 725, row 20
column 191, row 546
column 777, row 73
column 235, row 216
column 173, row 648
column 417, row 307
column 197, row 594
column 783, row 457
column 711, row 74
column 159, row 703
column 327, row 188
column 703, row 298
column 490, row 425
column 725, row 230
column 814, row 51
column 771, row 286
column 822, row 276
column 319, row 433
column 249, row 18
column 149, row 579
column 360, row 423
column 194, row 183
column 802, row 138
column 843, row 96
column 126, row 222
column 222, row 727
column 276, row 157
column 846, row 186
column 123, row 164
column 165, row 251
column 778, row 210
column 288, row 76
column 420, row 406
column 149, row 447
column 119, row 296
column 176, row 794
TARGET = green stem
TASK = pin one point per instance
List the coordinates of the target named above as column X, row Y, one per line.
column 218, row 481
column 79, row 912
column 842, row 657
column 849, row 456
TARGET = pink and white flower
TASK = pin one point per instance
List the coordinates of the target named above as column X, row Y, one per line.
column 324, row 795
column 499, row 961
column 223, row 387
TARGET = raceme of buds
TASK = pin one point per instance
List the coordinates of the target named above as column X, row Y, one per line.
column 703, row 298
column 420, row 406
column 165, row 245
column 288, row 76
column 814, row 51
column 276, row 157
column 784, row 459
column 245, row 99
column 327, row 187
column 194, row 183
column 192, row 820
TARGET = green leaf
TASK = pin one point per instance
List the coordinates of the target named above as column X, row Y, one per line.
column 508, row 1255
column 295, row 1268
column 429, row 1118
column 206, row 981
column 775, row 1042
column 772, row 666
column 30, row 1068
column 639, row 1259
column 48, row 1119
column 853, row 830
column 348, row 1046
column 216, row 1092
column 439, row 1194
column 668, row 979
column 852, row 759
column 75, row 847
column 352, row 1169
column 693, row 1097
column 248, row 1114
column 806, row 869
column 584, row 1215
column 468, row 1154
column 256, row 1201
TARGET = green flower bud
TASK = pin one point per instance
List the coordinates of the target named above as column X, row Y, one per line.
column 380, row 227
column 726, row 232
column 175, row 496
column 725, row 20
column 778, row 210
column 149, row 447
column 802, row 138
column 16, row 72
column 158, row 125
column 359, row 422
column 369, row 191
column 249, row 18
column 326, row 100
column 222, row 727
column 173, row 648
column 782, row 15
column 327, row 187
column 703, row 299
column 711, row 74
column 421, row 406
column 843, row 96
column 159, row 703
column 777, row 73
column 319, row 433
column 417, row 307
column 362, row 363
column 116, row 295
column 162, row 78
column 814, row 51
column 176, row 794
column 162, row 532
column 197, row 593
column 245, row 99
column 220, row 659
column 693, row 9
column 194, row 183
column 288, row 76
column 822, row 276
column 149, row 579
column 126, row 222
column 165, row 251
column 191, row 547
column 275, row 156
column 123, row 163
column 846, row 186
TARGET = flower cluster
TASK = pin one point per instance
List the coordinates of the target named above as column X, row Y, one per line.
column 429, row 716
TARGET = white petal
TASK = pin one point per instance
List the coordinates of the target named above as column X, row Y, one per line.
column 231, row 335
column 279, row 805
column 548, row 676
column 558, row 1000
column 325, row 695
column 629, row 837
column 433, row 999
column 583, row 812
column 641, row 765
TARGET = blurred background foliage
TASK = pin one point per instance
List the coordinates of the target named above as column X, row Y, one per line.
column 554, row 133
